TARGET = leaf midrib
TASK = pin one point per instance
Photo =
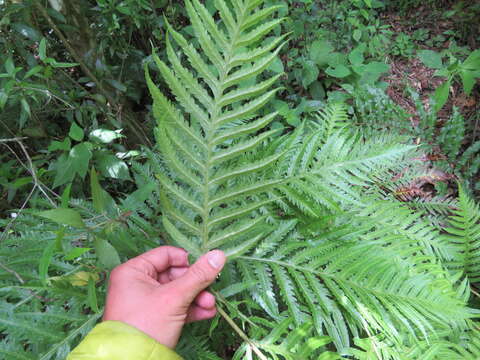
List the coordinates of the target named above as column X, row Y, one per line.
column 210, row 136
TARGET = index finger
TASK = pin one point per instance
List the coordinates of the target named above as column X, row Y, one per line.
column 159, row 259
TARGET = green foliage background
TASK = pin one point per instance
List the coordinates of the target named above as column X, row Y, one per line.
column 271, row 135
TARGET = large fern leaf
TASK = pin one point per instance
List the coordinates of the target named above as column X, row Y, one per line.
column 350, row 287
column 211, row 187
column 218, row 167
column 225, row 176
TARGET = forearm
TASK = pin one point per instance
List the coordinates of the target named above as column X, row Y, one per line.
column 114, row 340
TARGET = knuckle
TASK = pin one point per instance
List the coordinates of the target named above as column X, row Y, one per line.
column 169, row 248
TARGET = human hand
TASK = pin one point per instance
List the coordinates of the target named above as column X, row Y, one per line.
column 158, row 292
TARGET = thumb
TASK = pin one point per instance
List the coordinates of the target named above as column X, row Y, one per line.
column 199, row 276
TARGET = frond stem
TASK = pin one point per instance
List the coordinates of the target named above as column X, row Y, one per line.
column 240, row 333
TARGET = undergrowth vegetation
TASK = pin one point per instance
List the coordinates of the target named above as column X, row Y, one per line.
column 330, row 148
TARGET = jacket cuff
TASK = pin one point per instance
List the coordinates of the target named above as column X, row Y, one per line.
column 114, row 340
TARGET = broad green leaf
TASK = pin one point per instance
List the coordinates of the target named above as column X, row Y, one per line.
column 97, row 192
column 64, row 171
column 42, row 49
column 66, row 196
column 317, row 91
column 338, row 96
column 80, row 157
column 101, row 199
column 27, row 31
column 117, row 85
column 99, row 98
column 33, row 71
column 3, row 99
column 127, row 154
column 26, row 107
column 57, row 6
column 431, row 58
column 356, row 55
column 81, row 278
column 111, row 166
column 92, row 295
column 10, row 66
column 68, row 217
column 56, row 64
column 107, row 255
column 18, row 183
column 124, row 10
column 337, row 58
column 136, row 199
column 310, row 73
column 59, row 238
column 65, row 145
column 36, row 132
column 445, row 72
column 320, row 52
column 472, row 62
column 76, row 252
column 105, row 136
column 371, row 72
column 328, row 355
column 76, row 132
column 276, row 66
column 469, row 79
column 359, row 69
column 45, row 261
column 340, row 71
column 75, row 163
column 441, row 95
column 357, row 34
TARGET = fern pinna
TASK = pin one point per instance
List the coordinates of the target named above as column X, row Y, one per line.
column 300, row 214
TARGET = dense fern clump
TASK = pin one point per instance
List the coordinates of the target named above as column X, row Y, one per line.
column 326, row 260
column 38, row 321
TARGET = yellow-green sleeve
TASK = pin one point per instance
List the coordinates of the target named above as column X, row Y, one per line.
column 114, row 340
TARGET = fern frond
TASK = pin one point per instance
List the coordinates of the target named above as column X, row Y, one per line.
column 196, row 148
column 333, row 170
column 347, row 262
column 285, row 341
column 464, row 234
column 29, row 319
column 456, row 347
column 332, row 118
column 396, row 224
column 350, row 287
column 195, row 347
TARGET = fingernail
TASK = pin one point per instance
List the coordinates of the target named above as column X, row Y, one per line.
column 216, row 259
